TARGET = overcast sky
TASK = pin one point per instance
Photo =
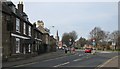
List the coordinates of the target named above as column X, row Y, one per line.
column 79, row 16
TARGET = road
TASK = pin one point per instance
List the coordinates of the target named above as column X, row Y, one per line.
column 80, row 59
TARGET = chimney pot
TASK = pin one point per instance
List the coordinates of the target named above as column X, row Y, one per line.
column 20, row 6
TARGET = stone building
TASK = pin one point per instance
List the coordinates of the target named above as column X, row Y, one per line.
column 19, row 37
column 48, row 42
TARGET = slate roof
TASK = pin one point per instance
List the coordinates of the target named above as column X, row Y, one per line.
column 5, row 8
column 40, row 28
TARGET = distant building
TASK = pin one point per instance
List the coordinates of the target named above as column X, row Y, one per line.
column 52, row 43
column 60, row 45
column 57, row 38
column 48, row 42
column 45, row 36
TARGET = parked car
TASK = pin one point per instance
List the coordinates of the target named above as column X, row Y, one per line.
column 88, row 50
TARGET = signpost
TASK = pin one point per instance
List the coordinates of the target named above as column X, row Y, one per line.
column 94, row 44
column 70, row 43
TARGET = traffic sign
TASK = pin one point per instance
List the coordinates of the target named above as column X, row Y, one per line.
column 94, row 43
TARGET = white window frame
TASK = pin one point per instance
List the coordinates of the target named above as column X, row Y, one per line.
column 17, row 25
column 24, row 28
column 17, row 45
column 29, row 30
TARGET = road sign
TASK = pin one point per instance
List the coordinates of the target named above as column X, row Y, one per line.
column 94, row 43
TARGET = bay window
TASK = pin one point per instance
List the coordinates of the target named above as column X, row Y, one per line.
column 24, row 28
column 17, row 25
column 29, row 30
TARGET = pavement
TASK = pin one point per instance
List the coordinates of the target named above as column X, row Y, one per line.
column 112, row 63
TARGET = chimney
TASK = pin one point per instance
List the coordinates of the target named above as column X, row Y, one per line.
column 40, row 23
column 34, row 25
column 20, row 6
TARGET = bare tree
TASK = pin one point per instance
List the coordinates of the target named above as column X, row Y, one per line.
column 67, row 36
column 115, row 36
column 98, row 34
column 73, row 35
column 81, row 42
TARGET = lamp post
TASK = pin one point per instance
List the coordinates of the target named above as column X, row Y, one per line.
column 50, row 29
column 50, row 34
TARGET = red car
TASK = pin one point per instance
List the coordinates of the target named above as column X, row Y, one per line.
column 88, row 50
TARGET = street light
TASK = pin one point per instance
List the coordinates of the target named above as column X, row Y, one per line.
column 50, row 29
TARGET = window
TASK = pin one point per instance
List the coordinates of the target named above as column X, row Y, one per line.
column 29, row 48
column 29, row 30
column 17, row 25
column 24, row 28
column 17, row 45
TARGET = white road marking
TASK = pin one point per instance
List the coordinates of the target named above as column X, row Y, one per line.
column 77, row 60
column 62, row 64
column 25, row 64
column 50, row 60
column 59, row 58
column 53, row 59
column 104, row 52
column 81, row 54
column 37, row 62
